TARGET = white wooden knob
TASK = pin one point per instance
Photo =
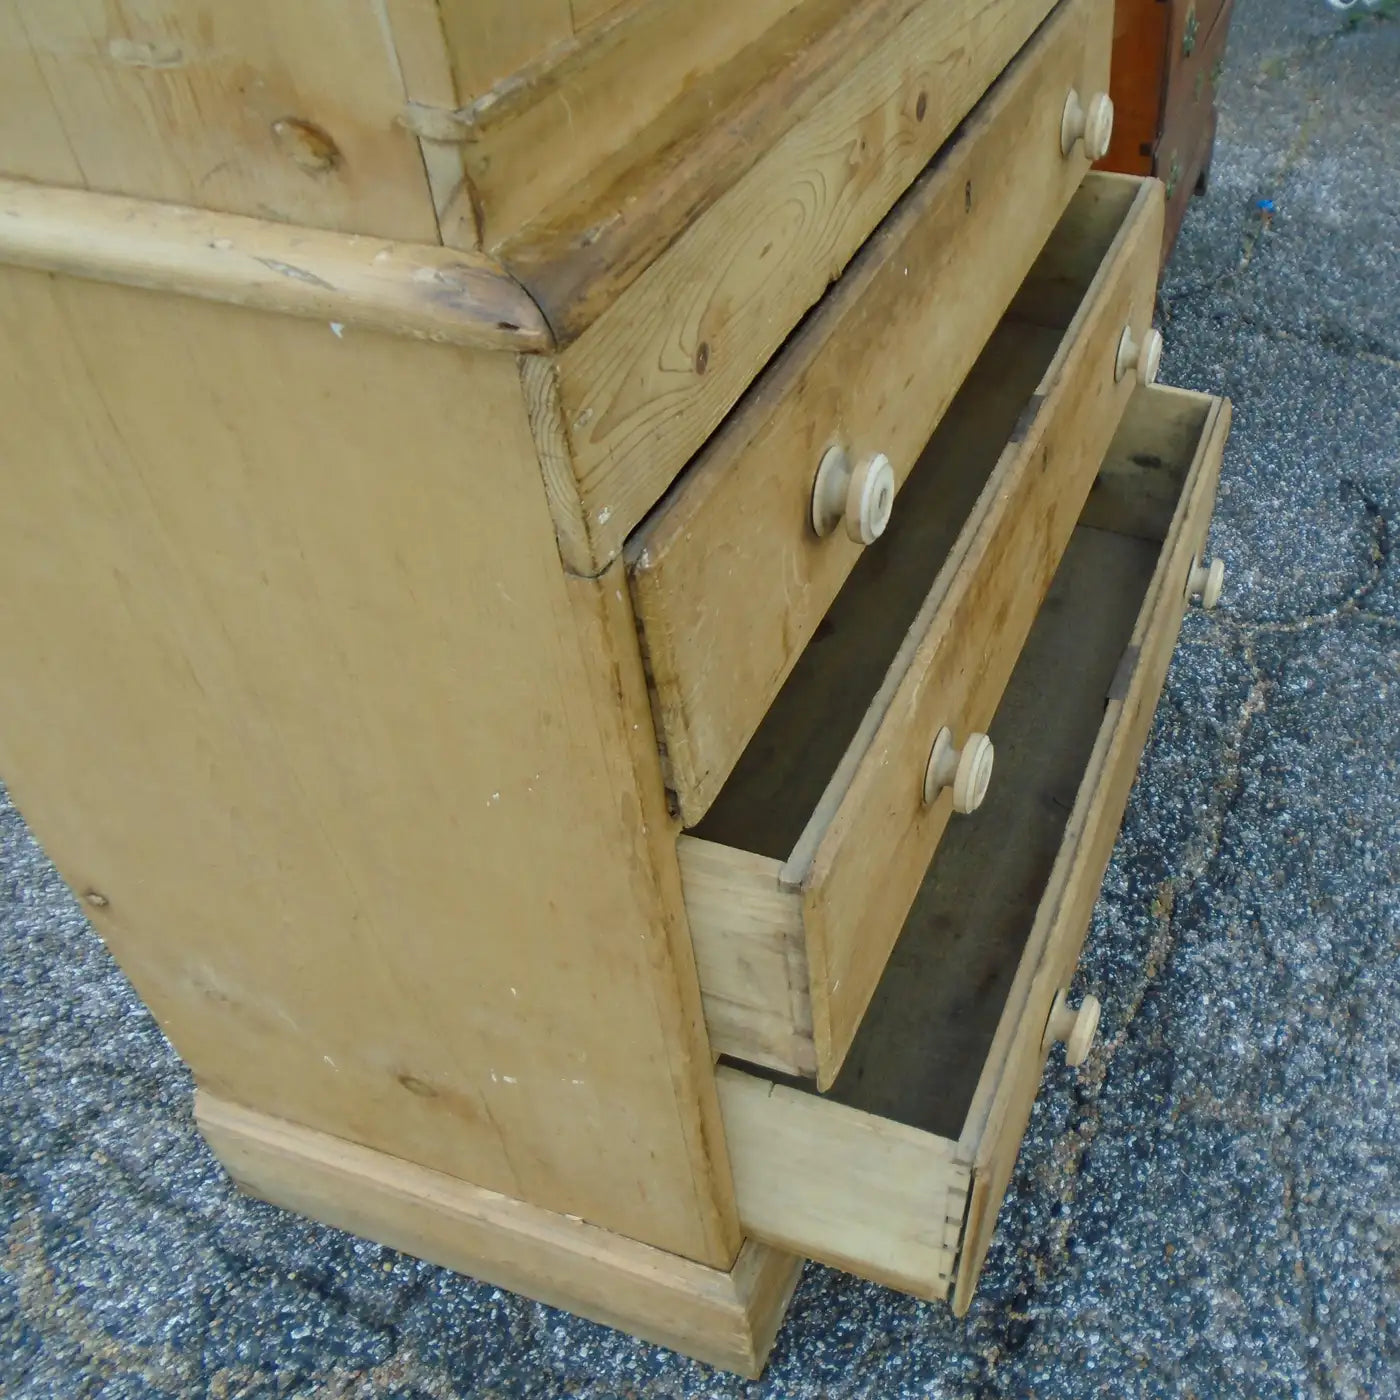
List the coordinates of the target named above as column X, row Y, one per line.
column 1144, row 356
column 967, row 770
column 1076, row 1027
column 1206, row 581
column 1092, row 124
column 861, row 497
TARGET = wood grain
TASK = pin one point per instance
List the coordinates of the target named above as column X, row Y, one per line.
column 649, row 90
column 997, row 1119
column 1165, row 95
column 870, row 840
column 341, row 751
column 948, row 1062
column 749, row 949
column 421, row 290
column 656, row 371
column 855, row 1191
column 489, row 40
column 924, row 633
column 176, row 100
column 727, row 1319
column 415, row 30
column 728, row 577
column 586, row 12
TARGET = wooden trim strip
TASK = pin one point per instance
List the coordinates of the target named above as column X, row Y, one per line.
column 727, row 1319
column 419, row 290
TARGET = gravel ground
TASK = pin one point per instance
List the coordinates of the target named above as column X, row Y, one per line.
column 1212, row 1210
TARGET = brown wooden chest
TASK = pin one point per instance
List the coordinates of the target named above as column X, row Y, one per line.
column 1167, row 58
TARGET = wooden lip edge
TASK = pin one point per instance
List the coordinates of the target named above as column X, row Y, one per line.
column 419, row 290
column 984, row 1117
column 749, row 1302
column 798, row 867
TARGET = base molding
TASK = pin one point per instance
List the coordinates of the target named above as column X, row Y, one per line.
column 726, row 1319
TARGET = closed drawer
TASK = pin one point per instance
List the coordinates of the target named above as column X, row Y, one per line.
column 818, row 841
column 729, row 577
column 671, row 284
column 898, row 1174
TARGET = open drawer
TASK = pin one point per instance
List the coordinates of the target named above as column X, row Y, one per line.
column 801, row 872
column 729, row 576
column 898, row 1174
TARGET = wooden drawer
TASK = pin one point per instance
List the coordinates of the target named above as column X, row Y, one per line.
column 1188, row 123
column 1166, row 66
column 802, row 871
column 671, row 283
column 899, row 1173
column 729, row 577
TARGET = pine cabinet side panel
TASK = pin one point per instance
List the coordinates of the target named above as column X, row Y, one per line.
column 297, row 698
column 261, row 107
column 489, row 39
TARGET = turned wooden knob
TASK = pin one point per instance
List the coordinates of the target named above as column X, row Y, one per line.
column 862, row 496
column 1145, row 355
column 967, row 770
column 1092, row 124
column 1206, row 581
column 1077, row 1027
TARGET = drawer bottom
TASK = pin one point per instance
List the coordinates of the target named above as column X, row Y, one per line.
column 897, row 1173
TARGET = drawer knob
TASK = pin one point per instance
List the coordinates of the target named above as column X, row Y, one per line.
column 862, row 497
column 967, row 770
column 1077, row 1027
column 1206, row 581
column 1092, row 124
column 1143, row 355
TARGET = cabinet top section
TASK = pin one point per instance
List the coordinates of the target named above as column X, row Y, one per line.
column 572, row 141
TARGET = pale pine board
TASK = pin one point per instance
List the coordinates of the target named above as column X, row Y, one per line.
column 300, row 691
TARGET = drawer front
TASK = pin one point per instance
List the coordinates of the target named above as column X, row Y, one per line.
column 898, row 1175
column 999, row 1116
column 650, row 379
column 851, row 1189
column 1141, row 37
column 729, row 577
column 860, row 873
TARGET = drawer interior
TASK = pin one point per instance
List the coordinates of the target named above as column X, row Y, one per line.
column 920, row 1052
column 935, row 1040
column 779, row 781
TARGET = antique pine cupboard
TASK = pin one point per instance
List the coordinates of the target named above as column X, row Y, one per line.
column 584, row 584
